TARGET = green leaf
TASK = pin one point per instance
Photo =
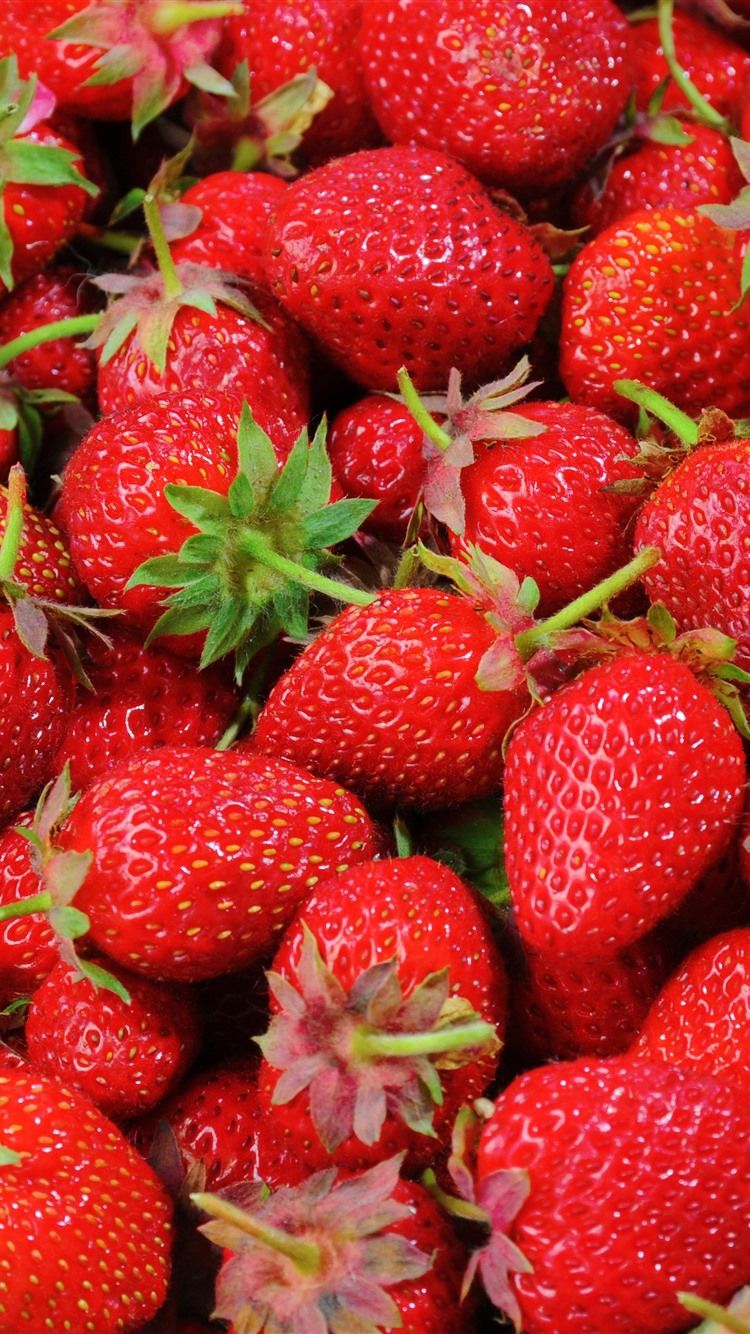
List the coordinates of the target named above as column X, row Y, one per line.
column 316, row 488
column 292, row 609
column 150, row 97
column 529, row 595
column 16, row 1006
column 122, row 330
column 669, row 130
column 196, row 503
column 27, row 163
column 202, row 548
column 68, row 922
column 8, row 1157
column 209, row 80
column 227, row 629
column 159, row 572
column 663, row 622
column 180, row 621
column 101, row 978
column 6, row 246
column 204, row 590
column 257, row 457
column 65, row 873
column 8, row 414
column 31, row 626
column 200, row 301
column 336, row 522
column 286, row 489
column 741, row 150
column 470, row 841
column 118, row 62
column 130, row 203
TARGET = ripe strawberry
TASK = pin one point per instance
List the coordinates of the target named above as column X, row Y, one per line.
column 56, row 294
column 43, row 565
column 627, row 1172
column 235, row 208
column 716, row 64
column 223, row 847
column 87, row 1230
column 125, row 1055
column 28, row 945
column 407, row 952
column 540, row 506
column 398, row 256
column 618, row 794
column 499, row 88
column 701, row 1020
column 141, row 699
column 282, row 40
column 376, row 451
column 655, row 298
column 386, row 700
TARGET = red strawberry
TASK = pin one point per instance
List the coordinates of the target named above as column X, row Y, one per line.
column 201, row 857
column 500, row 88
column 56, row 294
column 126, row 1055
column 282, row 40
column 701, row 1020
column 43, row 565
column 235, row 208
column 655, row 298
column 141, row 699
column 376, row 450
column 37, row 695
column 386, row 700
column 364, row 1252
column 406, row 952
column 398, row 256
column 717, row 65
column 615, row 1179
column 28, row 945
column 619, row 794
column 87, row 1232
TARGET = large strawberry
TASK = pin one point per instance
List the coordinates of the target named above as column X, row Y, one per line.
column 86, row 1233
column 655, row 298
column 398, row 256
column 201, row 857
column 615, row 1180
column 619, row 794
column 518, row 94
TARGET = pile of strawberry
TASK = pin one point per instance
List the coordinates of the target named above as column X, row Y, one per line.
column 374, row 651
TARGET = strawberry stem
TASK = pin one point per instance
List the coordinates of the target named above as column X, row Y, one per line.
column 304, row 1254
column 124, row 243
column 419, row 412
column 41, row 902
column 725, row 1319
column 47, row 333
column 13, row 523
column 528, row 641
column 172, row 285
column 368, row 1043
column 453, row 1204
column 708, row 114
column 170, row 15
column 660, row 407
column 254, row 546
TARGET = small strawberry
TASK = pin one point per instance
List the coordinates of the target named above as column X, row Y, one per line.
column 500, row 89
column 376, row 450
column 86, row 1232
column 56, row 294
column 37, row 695
column 28, row 944
column 398, row 256
column 226, row 846
column 125, row 1049
column 716, row 64
column 235, row 210
column 42, row 566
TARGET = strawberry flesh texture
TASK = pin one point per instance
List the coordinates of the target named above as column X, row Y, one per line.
column 348, row 705
column 639, row 1190
column 717, row 65
column 376, row 449
column 231, row 234
column 619, row 794
column 200, row 857
column 398, row 257
column 55, row 294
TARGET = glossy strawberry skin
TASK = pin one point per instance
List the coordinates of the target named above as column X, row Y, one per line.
column 617, row 1150
column 225, row 354
column 55, row 294
column 398, row 257
column 41, row 218
column 142, row 699
column 28, row 946
column 539, row 506
column 43, row 565
column 125, row 1056
column 80, row 1194
column 376, row 449
column 701, row 1020
column 219, row 869
column 618, row 795
column 431, row 1304
column 499, row 87
column 652, row 299
column 717, row 65
column 699, row 518
column 386, row 701
column 236, row 208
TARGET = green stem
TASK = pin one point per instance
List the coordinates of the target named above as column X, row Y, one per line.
column 453, row 1204
column 9, row 547
column 407, row 567
column 528, row 641
column 474, row 1034
column 25, row 907
column 124, row 243
column 708, row 114
column 172, row 285
column 710, row 1311
column 304, row 1254
column 419, row 412
column 254, row 546
column 660, row 407
column 247, row 155
column 47, row 333
column 170, row 15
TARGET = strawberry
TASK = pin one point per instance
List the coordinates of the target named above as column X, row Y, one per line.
column 361, row 969
column 701, row 1020
column 501, row 89
column 86, row 1225
column 125, row 1049
column 365, row 1252
column 37, row 694
column 56, row 294
column 282, row 40
column 399, row 256
column 614, row 1180
column 214, row 896
column 43, row 565
column 141, row 699
column 716, row 64
column 28, row 945
column 634, row 765
column 113, row 58
column 376, row 451
column 235, row 210
column 654, row 298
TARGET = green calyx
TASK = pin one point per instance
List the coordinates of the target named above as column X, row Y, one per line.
column 246, row 575
column 705, row 112
column 734, row 1319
